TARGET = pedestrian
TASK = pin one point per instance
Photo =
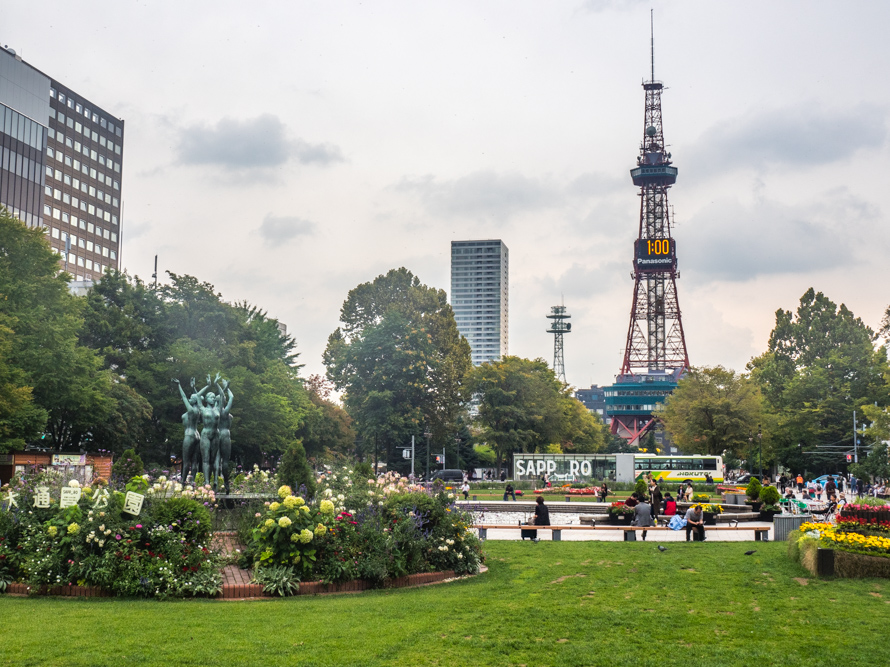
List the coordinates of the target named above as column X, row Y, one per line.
column 509, row 491
column 800, row 483
column 465, row 489
column 656, row 501
column 783, row 481
column 854, row 485
column 695, row 521
column 503, row 475
column 830, row 488
column 604, row 491
column 542, row 515
column 643, row 516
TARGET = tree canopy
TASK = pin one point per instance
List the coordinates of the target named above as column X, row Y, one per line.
column 400, row 362
column 821, row 365
column 523, row 407
column 713, row 411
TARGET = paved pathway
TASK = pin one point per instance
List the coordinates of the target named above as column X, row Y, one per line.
column 653, row 536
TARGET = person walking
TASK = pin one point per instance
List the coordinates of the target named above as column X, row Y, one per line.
column 800, row 484
column 655, row 493
column 695, row 521
column 465, row 489
column 604, row 491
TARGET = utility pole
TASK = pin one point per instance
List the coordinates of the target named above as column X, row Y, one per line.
column 155, row 274
column 412, row 458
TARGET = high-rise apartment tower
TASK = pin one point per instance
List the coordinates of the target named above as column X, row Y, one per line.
column 60, row 166
column 479, row 296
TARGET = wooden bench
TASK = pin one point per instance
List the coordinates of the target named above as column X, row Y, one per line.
column 761, row 533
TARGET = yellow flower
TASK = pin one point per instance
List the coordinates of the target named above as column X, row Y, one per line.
column 285, row 491
column 304, row 509
column 73, row 529
column 274, row 506
column 305, row 536
column 320, row 530
column 270, row 523
column 284, row 522
column 290, row 502
column 326, row 507
column 52, row 531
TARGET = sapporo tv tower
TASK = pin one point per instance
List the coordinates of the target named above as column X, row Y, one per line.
column 655, row 354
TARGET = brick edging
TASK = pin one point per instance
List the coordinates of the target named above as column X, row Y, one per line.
column 243, row 591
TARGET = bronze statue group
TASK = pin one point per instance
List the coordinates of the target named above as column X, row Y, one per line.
column 208, row 451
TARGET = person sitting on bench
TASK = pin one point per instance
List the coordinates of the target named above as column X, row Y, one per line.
column 695, row 520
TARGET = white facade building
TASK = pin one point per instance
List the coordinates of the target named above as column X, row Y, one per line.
column 480, row 296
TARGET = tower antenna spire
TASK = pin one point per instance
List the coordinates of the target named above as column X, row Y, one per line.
column 652, row 40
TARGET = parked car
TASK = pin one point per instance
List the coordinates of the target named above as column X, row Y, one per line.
column 453, row 475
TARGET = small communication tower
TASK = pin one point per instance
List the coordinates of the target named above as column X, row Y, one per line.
column 558, row 327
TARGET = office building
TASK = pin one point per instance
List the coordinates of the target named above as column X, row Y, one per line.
column 479, row 296
column 594, row 399
column 60, row 166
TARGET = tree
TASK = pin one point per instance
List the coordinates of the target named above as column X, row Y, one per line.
column 20, row 419
column 520, row 405
column 712, row 411
column 326, row 431
column 583, row 431
column 877, row 463
column 66, row 378
column 184, row 330
column 820, row 366
column 400, row 362
column 294, row 470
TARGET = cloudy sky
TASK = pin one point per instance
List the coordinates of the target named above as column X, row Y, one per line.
column 287, row 151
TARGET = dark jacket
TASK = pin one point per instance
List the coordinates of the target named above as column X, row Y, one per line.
column 542, row 515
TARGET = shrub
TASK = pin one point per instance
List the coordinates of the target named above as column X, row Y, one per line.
column 641, row 489
column 294, row 470
column 753, row 489
column 769, row 495
column 185, row 516
column 129, row 465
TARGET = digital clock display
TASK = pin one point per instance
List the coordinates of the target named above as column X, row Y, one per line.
column 655, row 254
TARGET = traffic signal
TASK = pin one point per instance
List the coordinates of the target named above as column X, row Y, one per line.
column 438, row 459
column 849, row 458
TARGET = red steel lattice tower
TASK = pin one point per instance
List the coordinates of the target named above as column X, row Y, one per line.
column 656, row 345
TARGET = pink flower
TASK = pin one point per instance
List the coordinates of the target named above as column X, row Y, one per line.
column 139, row 525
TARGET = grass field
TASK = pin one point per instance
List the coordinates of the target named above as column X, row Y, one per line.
column 552, row 603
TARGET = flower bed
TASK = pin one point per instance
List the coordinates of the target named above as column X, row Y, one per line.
column 99, row 540
column 855, row 549
column 374, row 530
column 569, row 491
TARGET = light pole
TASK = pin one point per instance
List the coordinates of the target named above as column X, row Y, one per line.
column 760, row 443
column 427, row 435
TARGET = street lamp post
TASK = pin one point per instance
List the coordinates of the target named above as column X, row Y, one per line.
column 427, row 435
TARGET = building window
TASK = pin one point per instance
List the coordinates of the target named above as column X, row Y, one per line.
column 113, row 255
column 54, row 232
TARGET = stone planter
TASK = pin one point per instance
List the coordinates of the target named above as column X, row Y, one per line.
column 620, row 519
column 755, row 505
column 767, row 515
column 710, row 518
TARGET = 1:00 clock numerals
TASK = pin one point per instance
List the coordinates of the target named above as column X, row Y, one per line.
column 658, row 246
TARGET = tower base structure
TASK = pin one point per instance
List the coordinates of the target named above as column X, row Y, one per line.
column 631, row 401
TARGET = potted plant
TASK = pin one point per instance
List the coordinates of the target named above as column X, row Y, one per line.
column 769, row 497
column 752, row 492
column 710, row 512
column 701, row 498
column 620, row 514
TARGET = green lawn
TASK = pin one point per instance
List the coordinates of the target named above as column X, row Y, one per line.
column 552, row 603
